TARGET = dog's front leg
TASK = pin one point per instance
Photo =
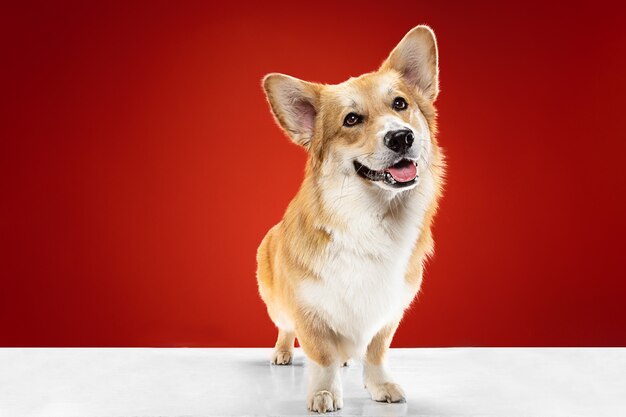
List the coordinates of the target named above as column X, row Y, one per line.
column 319, row 344
column 324, row 393
column 375, row 375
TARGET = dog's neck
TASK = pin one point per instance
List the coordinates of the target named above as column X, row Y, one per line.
column 349, row 203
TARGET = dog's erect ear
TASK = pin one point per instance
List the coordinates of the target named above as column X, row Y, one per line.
column 415, row 57
column 295, row 105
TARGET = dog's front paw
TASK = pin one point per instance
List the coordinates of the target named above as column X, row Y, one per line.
column 323, row 401
column 282, row 357
column 387, row 392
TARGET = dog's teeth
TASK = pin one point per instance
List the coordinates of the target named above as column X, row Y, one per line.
column 389, row 178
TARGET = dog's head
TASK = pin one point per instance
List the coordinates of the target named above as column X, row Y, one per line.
column 377, row 127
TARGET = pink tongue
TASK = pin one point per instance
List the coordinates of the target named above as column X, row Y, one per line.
column 403, row 172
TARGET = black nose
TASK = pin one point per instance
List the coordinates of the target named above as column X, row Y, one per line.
column 399, row 140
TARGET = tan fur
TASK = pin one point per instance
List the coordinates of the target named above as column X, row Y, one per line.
column 293, row 250
column 304, row 214
column 377, row 348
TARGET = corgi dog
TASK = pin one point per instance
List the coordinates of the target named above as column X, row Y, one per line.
column 347, row 259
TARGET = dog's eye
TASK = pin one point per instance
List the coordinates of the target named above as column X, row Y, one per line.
column 352, row 119
column 399, row 104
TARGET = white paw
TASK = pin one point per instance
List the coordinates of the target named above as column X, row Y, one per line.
column 323, row 401
column 388, row 392
column 282, row 357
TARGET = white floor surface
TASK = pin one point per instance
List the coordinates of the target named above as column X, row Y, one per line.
column 229, row 382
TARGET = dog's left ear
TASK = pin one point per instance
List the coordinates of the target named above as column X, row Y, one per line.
column 416, row 59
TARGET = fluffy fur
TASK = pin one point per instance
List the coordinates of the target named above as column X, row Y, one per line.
column 347, row 259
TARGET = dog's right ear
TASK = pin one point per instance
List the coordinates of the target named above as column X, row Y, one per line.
column 295, row 105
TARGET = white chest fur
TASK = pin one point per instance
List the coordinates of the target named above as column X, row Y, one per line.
column 361, row 286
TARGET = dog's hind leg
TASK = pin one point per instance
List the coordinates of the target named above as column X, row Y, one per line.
column 283, row 352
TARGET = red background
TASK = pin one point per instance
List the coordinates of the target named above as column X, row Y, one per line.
column 140, row 168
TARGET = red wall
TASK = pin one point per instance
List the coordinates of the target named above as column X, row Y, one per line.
column 140, row 168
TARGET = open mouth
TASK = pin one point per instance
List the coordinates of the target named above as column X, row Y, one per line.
column 401, row 174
